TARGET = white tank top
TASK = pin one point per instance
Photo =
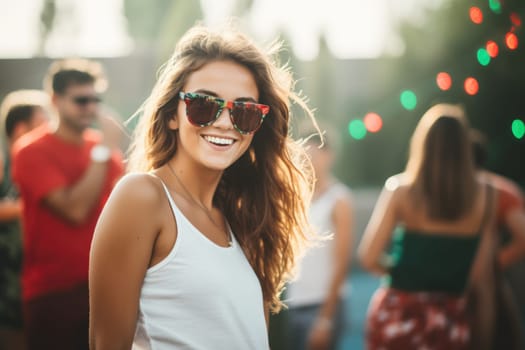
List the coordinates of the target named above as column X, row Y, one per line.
column 200, row 297
column 317, row 266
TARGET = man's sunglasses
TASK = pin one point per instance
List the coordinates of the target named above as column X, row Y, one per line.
column 203, row 110
column 85, row 100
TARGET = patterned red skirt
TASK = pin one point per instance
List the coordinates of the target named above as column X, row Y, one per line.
column 399, row 320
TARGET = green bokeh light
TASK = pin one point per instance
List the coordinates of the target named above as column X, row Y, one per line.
column 357, row 129
column 408, row 99
column 483, row 57
column 495, row 6
column 518, row 128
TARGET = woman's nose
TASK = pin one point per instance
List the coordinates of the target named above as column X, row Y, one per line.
column 224, row 120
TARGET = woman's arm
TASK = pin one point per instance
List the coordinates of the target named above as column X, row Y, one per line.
column 515, row 250
column 120, row 255
column 378, row 232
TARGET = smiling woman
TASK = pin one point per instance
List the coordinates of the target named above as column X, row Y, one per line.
column 194, row 247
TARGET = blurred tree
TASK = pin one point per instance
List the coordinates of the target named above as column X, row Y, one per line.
column 47, row 19
column 180, row 16
column 144, row 20
column 447, row 41
column 156, row 25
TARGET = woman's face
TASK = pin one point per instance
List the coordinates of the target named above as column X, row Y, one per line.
column 218, row 145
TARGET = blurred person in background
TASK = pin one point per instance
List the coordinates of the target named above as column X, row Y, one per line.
column 21, row 111
column 510, row 221
column 445, row 216
column 316, row 298
column 510, row 215
column 64, row 174
column 194, row 246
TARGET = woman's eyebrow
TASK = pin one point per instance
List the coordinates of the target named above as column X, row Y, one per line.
column 214, row 94
column 206, row 92
column 246, row 99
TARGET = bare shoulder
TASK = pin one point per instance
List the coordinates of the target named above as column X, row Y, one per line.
column 397, row 185
column 134, row 207
column 343, row 194
column 134, row 197
column 139, row 188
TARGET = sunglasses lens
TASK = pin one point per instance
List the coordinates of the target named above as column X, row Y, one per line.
column 246, row 117
column 204, row 110
column 84, row 100
column 201, row 110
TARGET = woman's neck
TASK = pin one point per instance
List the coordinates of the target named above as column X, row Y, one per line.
column 198, row 182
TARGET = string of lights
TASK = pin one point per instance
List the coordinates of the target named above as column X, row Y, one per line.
column 372, row 122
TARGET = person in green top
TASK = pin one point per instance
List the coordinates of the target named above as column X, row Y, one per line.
column 442, row 209
column 21, row 112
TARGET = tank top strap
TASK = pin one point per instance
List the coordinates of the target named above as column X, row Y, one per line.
column 179, row 216
column 182, row 220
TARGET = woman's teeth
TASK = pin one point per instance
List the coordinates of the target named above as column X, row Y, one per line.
column 218, row 140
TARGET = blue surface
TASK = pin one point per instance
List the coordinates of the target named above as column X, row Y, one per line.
column 361, row 287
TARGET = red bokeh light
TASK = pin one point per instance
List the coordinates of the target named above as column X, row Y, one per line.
column 515, row 19
column 511, row 40
column 373, row 122
column 444, row 81
column 492, row 48
column 476, row 15
column 471, row 86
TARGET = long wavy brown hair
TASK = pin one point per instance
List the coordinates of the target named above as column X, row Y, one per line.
column 440, row 165
column 265, row 193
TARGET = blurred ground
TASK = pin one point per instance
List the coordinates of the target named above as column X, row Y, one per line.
column 362, row 285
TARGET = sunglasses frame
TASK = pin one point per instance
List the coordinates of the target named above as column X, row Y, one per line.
column 187, row 97
column 83, row 101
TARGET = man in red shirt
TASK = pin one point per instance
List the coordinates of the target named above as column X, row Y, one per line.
column 64, row 174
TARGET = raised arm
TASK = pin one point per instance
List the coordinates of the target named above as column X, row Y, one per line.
column 75, row 202
column 120, row 255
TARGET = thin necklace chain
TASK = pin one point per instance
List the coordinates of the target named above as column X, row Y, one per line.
column 206, row 211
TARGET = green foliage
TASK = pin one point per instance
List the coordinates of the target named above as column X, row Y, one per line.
column 157, row 25
column 451, row 42
column 145, row 17
column 345, row 90
column 179, row 18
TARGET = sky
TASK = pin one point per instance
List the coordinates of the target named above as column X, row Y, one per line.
column 91, row 28
column 97, row 28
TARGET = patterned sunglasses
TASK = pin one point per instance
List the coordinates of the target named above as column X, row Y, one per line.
column 203, row 110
